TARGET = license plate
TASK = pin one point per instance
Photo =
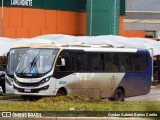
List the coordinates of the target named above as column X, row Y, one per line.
column 27, row 90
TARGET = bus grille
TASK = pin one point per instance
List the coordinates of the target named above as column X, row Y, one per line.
column 32, row 90
column 28, row 84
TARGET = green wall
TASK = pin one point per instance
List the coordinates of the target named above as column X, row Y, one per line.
column 105, row 13
column 73, row 5
column 122, row 7
column 68, row 5
column 104, row 19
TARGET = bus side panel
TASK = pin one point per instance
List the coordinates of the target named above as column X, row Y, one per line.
column 67, row 82
column 138, row 83
column 8, row 85
column 97, row 84
column 91, row 85
column 109, row 83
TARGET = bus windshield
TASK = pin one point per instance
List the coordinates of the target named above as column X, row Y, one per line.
column 13, row 59
column 36, row 61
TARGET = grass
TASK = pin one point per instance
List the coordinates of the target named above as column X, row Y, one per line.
column 78, row 103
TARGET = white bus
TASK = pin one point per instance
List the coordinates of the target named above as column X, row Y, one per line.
column 113, row 73
column 14, row 56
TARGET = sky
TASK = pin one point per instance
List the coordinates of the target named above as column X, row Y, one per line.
column 143, row 5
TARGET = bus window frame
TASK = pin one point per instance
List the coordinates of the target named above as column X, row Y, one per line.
column 75, row 54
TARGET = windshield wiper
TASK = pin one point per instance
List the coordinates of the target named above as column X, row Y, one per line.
column 32, row 64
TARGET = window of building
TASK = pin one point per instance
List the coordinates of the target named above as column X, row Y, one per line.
column 150, row 34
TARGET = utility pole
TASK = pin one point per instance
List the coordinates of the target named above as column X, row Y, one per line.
column 91, row 18
column 2, row 17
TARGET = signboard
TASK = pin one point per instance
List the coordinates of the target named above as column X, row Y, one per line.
column 21, row 2
column 69, row 5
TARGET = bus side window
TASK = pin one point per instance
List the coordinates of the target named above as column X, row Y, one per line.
column 128, row 63
column 136, row 62
column 69, row 64
column 82, row 62
column 111, row 62
column 144, row 62
column 96, row 62
column 122, row 61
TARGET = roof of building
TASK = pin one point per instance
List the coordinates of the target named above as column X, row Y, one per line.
column 142, row 15
column 142, row 5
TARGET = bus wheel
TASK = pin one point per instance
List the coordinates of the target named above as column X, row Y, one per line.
column 30, row 98
column 60, row 93
column 119, row 95
column 24, row 97
column 111, row 99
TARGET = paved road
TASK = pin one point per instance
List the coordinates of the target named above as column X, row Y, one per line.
column 154, row 95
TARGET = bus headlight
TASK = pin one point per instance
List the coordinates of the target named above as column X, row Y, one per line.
column 44, row 80
column 16, row 81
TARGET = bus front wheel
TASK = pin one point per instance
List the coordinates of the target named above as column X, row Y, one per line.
column 30, row 98
column 119, row 95
column 60, row 93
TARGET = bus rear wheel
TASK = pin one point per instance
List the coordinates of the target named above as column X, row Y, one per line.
column 119, row 95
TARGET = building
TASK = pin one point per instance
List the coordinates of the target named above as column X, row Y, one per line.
column 29, row 18
column 143, row 16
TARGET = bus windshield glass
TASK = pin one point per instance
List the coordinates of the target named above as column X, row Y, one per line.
column 13, row 59
column 36, row 61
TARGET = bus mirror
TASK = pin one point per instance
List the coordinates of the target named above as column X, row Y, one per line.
column 2, row 73
column 62, row 62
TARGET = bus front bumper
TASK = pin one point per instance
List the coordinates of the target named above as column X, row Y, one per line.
column 43, row 91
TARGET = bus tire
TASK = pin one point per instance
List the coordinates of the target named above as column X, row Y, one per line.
column 111, row 99
column 119, row 95
column 30, row 98
column 24, row 97
column 60, row 93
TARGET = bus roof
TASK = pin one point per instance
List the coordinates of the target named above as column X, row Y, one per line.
column 85, row 47
column 29, row 45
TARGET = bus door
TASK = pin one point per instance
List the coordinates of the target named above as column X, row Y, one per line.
column 64, row 73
